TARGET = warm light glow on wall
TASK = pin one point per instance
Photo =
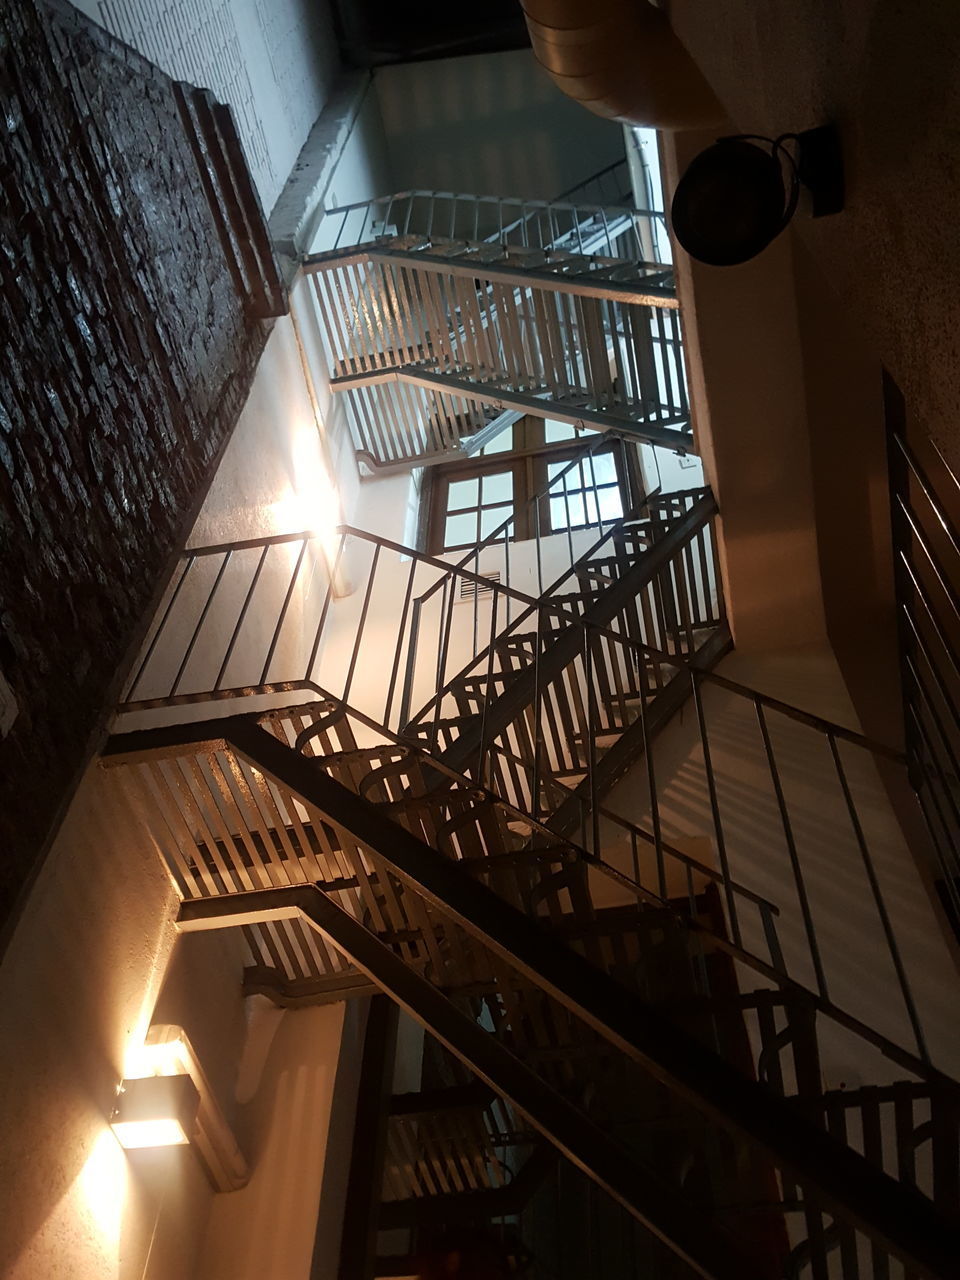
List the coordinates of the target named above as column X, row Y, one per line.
column 102, row 1184
column 164, row 1053
column 311, row 501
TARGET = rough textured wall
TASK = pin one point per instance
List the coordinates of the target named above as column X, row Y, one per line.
column 127, row 361
column 273, row 61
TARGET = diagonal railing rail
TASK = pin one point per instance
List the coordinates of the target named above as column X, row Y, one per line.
column 393, row 870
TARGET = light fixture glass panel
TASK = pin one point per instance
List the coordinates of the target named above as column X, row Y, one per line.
column 498, row 487
column 463, row 493
column 460, row 530
column 166, row 1132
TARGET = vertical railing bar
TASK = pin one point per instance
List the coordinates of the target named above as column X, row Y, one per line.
column 409, row 674
column 283, row 611
column 591, row 741
column 792, row 852
column 715, row 810
column 881, row 906
column 363, row 620
column 399, row 646
column 537, row 715
column 331, row 580
column 199, row 627
column 188, row 562
column 651, row 775
column 242, row 615
column 481, row 746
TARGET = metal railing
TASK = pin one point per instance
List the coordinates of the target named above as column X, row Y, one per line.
column 396, row 329
column 925, row 502
column 554, row 735
column 287, row 839
column 251, row 616
column 611, row 232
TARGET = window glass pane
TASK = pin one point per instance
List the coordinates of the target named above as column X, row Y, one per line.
column 558, row 431
column 460, row 531
column 463, row 493
column 566, row 514
column 554, row 469
column 592, row 510
column 611, row 507
column 503, row 443
column 492, row 517
column 497, row 488
column 604, row 469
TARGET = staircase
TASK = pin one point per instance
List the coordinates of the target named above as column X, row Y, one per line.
column 438, row 308
column 556, row 709
column 345, row 864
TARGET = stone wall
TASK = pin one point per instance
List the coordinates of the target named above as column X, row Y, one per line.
column 128, row 358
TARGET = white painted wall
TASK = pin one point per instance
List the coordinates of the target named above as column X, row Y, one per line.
column 265, row 1231
column 77, row 987
column 489, row 124
column 273, row 61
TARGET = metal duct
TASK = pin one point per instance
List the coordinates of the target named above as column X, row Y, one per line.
column 621, row 59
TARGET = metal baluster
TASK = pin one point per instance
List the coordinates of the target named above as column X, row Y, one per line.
column 283, row 611
column 792, row 853
column 199, row 627
column 187, row 566
column 326, row 605
column 400, row 634
column 242, row 615
column 879, row 901
column 715, row 810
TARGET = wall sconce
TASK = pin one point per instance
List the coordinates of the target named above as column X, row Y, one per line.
column 167, row 1101
column 733, row 200
column 156, row 1111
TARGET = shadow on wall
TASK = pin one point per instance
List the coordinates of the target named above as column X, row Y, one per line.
column 489, row 125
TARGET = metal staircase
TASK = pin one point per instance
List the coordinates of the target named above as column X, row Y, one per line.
column 556, row 707
column 441, row 310
column 344, row 862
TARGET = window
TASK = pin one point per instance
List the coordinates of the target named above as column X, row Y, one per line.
column 494, row 492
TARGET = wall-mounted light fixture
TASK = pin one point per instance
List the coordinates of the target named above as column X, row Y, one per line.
column 156, row 1111
column 167, row 1100
column 740, row 193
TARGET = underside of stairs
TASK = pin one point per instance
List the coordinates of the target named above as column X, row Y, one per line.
column 344, row 863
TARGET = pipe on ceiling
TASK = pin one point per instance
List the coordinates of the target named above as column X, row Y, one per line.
column 621, row 59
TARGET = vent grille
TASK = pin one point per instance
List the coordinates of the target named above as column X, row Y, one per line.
column 470, row 590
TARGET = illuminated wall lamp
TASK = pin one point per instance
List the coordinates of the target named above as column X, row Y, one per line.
column 165, row 1073
column 156, row 1111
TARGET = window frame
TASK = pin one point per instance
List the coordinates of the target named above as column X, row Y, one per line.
column 528, row 461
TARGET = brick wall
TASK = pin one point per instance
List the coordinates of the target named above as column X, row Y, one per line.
column 273, row 61
column 128, row 358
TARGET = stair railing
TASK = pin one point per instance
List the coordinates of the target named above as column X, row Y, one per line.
column 408, row 905
column 615, row 231
column 925, row 501
column 360, row 660
column 502, row 536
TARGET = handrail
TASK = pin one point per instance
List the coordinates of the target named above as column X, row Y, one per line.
column 587, row 451
column 675, row 659
column 124, row 748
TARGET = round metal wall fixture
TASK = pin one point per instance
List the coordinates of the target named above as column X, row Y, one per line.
column 731, row 202
column 740, row 193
